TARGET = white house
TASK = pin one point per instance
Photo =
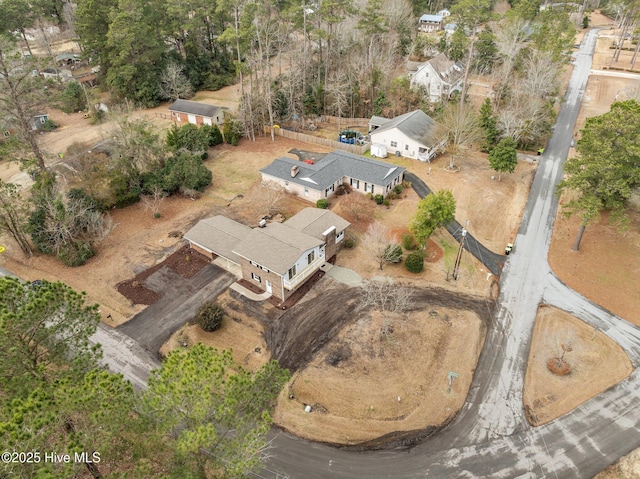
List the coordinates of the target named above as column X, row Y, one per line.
column 440, row 76
column 412, row 135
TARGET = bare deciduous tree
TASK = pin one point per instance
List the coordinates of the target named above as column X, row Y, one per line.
column 14, row 214
column 269, row 197
column 388, row 298
column 152, row 201
column 174, row 83
column 462, row 129
column 381, row 245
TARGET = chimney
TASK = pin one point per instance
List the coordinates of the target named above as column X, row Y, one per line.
column 294, row 171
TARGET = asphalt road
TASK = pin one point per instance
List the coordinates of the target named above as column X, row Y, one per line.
column 490, row 437
column 179, row 300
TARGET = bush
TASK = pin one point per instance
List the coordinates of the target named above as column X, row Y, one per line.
column 48, row 125
column 76, row 253
column 398, row 189
column 393, row 253
column 406, row 184
column 387, row 202
column 379, row 199
column 414, row 262
column 349, row 242
column 369, row 196
column 212, row 133
column 72, row 98
column 409, row 242
column 322, row 203
column 209, row 316
column 185, row 171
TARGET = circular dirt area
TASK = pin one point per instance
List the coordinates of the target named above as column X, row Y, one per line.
column 559, row 367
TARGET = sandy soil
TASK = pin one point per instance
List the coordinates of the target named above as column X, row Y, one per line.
column 349, row 403
column 596, row 362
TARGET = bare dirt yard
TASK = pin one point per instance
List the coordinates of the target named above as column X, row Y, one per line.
column 595, row 364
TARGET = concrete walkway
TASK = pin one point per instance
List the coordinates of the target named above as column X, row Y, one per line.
column 345, row 275
column 238, row 288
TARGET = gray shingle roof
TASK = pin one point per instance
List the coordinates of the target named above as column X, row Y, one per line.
column 333, row 167
column 194, row 108
column 315, row 221
column 416, row 125
column 219, row 234
column 276, row 247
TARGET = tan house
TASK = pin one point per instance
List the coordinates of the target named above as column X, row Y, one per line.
column 185, row 111
column 279, row 257
column 320, row 179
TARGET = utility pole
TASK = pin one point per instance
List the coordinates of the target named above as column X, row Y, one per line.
column 456, row 267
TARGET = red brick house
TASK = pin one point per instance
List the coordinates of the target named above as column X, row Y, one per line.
column 185, row 111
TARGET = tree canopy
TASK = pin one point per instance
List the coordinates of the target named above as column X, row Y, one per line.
column 504, row 157
column 217, row 412
column 607, row 167
column 434, row 211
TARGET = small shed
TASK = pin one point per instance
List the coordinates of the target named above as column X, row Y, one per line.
column 197, row 113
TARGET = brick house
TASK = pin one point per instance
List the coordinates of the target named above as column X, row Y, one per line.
column 320, row 179
column 185, row 111
column 279, row 257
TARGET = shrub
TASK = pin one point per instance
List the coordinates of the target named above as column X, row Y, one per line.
column 379, row 199
column 48, row 125
column 369, row 196
column 393, row 253
column 387, row 202
column 414, row 262
column 209, row 316
column 409, row 242
column 322, row 203
column 349, row 242
column 76, row 253
column 406, row 184
column 398, row 189
column 72, row 99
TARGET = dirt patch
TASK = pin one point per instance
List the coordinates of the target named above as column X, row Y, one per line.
column 594, row 363
column 241, row 332
column 352, row 406
column 186, row 262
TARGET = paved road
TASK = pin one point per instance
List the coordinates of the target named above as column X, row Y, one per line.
column 490, row 437
column 180, row 299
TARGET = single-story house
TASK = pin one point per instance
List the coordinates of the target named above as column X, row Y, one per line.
column 279, row 257
column 440, row 76
column 412, row 135
column 38, row 120
column 196, row 112
column 61, row 74
column 321, row 179
column 430, row 23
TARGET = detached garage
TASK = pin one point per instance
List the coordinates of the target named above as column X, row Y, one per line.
column 185, row 111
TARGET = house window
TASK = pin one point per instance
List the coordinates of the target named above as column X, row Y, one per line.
column 256, row 277
column 371, row 189
column 7, row 133
column 406, row 147
column 340, row 236
column 394, row 144
column 310, row 257
column 264, row 269
column 306, row 191
column 292, row 272
column 354, row 182
column 253, row 263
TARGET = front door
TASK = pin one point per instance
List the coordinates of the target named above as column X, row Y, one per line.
column 267, row 284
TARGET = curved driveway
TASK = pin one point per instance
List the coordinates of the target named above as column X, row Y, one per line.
column 490, row 437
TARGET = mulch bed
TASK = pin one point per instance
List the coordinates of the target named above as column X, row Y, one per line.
column 299, row 293
column 186, row 262
column 250, row 286
column 433, row 252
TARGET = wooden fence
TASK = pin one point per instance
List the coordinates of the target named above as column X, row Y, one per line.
column 347, row 122
column 316, row 140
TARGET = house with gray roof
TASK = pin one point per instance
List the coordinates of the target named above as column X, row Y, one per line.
column 185, row 111
column 278, row 257
column 412, row 135
column 439, row 76
column 320, row 179
column 430, row 23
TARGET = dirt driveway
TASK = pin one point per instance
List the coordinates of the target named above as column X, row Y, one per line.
column 180, row 299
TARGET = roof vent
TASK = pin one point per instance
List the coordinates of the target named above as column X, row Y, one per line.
column 294, row 171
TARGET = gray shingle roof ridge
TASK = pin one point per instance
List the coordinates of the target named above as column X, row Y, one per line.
column 285, row 240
